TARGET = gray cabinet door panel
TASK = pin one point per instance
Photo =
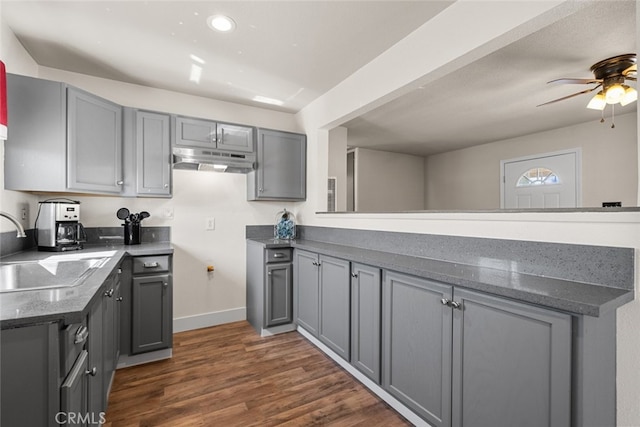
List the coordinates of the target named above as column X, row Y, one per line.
column 335, row 300
column 281, row 170
column 366, row 320
column 94, row 132
column 73, row 391
column 95, row 347
column 153, row 154
column 417, row 345
column 151, row 318
column 306, row 290
column 235, row 138
column 512, row 364
column 195, row 132
column 278, row 294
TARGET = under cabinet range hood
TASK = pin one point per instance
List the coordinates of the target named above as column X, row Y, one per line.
column 203, row 159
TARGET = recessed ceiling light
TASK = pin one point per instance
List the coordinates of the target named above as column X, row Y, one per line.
column 221, row 23
column 266, row 100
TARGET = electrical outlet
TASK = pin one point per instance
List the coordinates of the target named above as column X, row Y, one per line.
column 210, row 224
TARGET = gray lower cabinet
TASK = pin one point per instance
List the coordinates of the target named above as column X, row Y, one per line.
column 463, row 358
column 147, row 153
column 511, row 363
column 269, row 286
column 281, row 167
column 73, row 393
column 29, row 373
column 95, row 347
column 417, row 338
column 366, row 318
column 151, row 304
column 322, row 289
column 334, row 328
column 306, row 282
column 61, row 139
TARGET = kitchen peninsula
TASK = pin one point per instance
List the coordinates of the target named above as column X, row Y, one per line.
column 419, row 318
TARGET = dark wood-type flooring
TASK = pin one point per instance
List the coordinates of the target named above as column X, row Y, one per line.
column 229, row 376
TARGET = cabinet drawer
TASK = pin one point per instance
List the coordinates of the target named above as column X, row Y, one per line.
column 150, row 264
column 279, row 255
column 72, row 342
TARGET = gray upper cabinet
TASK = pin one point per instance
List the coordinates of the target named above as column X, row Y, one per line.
column 192, row 132
column 511, row 363
column 94, row 150
column 281, row 169
column 152, row 154
column 235, row 138
column 61, row 139
column 366, row 290
column 417, row 339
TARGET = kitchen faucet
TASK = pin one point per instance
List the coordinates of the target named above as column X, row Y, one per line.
column 15, row 222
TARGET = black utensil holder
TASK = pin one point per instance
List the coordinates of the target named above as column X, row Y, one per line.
column 132, row 234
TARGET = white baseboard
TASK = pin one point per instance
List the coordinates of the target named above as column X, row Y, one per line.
column 188, row 323
column 375, row 388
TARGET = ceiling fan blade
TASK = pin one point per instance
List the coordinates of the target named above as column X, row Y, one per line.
column 570, row 96
column 632, row 69
column 575, row 81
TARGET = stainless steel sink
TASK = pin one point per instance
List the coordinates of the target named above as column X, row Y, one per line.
column 33, row 275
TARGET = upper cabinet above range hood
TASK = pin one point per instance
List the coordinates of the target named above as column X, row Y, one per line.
column 203, row 159
column 206, row 145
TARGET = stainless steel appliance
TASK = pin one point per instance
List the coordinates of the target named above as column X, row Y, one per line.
column 58, row 226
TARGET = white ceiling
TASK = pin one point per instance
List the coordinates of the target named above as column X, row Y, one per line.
column 295, row 51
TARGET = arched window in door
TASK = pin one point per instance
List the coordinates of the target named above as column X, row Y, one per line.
column 538, row 176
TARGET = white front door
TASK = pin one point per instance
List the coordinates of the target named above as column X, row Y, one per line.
column 545, row 181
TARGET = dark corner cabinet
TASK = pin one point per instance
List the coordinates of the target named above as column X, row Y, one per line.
column 57, row 374
column 63, row 139
column 281, row 171
column 454, row 357
column 269, row 288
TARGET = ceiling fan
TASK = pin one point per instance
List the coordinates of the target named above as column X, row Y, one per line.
column 610, row 75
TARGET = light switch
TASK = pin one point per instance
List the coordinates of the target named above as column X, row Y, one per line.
column 210, row 224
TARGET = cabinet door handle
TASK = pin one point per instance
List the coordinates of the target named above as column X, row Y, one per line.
column 445, row 301
column 354, row 275
column 109, row 293
column 119, row 271
column 93, row 371
column 150, row 264
column 278, row 255
column 165, row 284
column 119, row 299
column 119, row 182
column 456, row 305
column 269, row 273
column 261, row 190
column 81, row 335
column 166, row 186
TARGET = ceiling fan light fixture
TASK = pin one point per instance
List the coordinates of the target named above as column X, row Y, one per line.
column 630, row 95
column 598, row 102
column 614, row 94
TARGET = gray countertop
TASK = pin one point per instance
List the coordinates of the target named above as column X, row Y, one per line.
column 68, row 304
column 569, row 296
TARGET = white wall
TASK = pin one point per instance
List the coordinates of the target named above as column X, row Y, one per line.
column 416, row 60
column 196, row 195
column 470, row 178
column 388, row 182
column 338, row 164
